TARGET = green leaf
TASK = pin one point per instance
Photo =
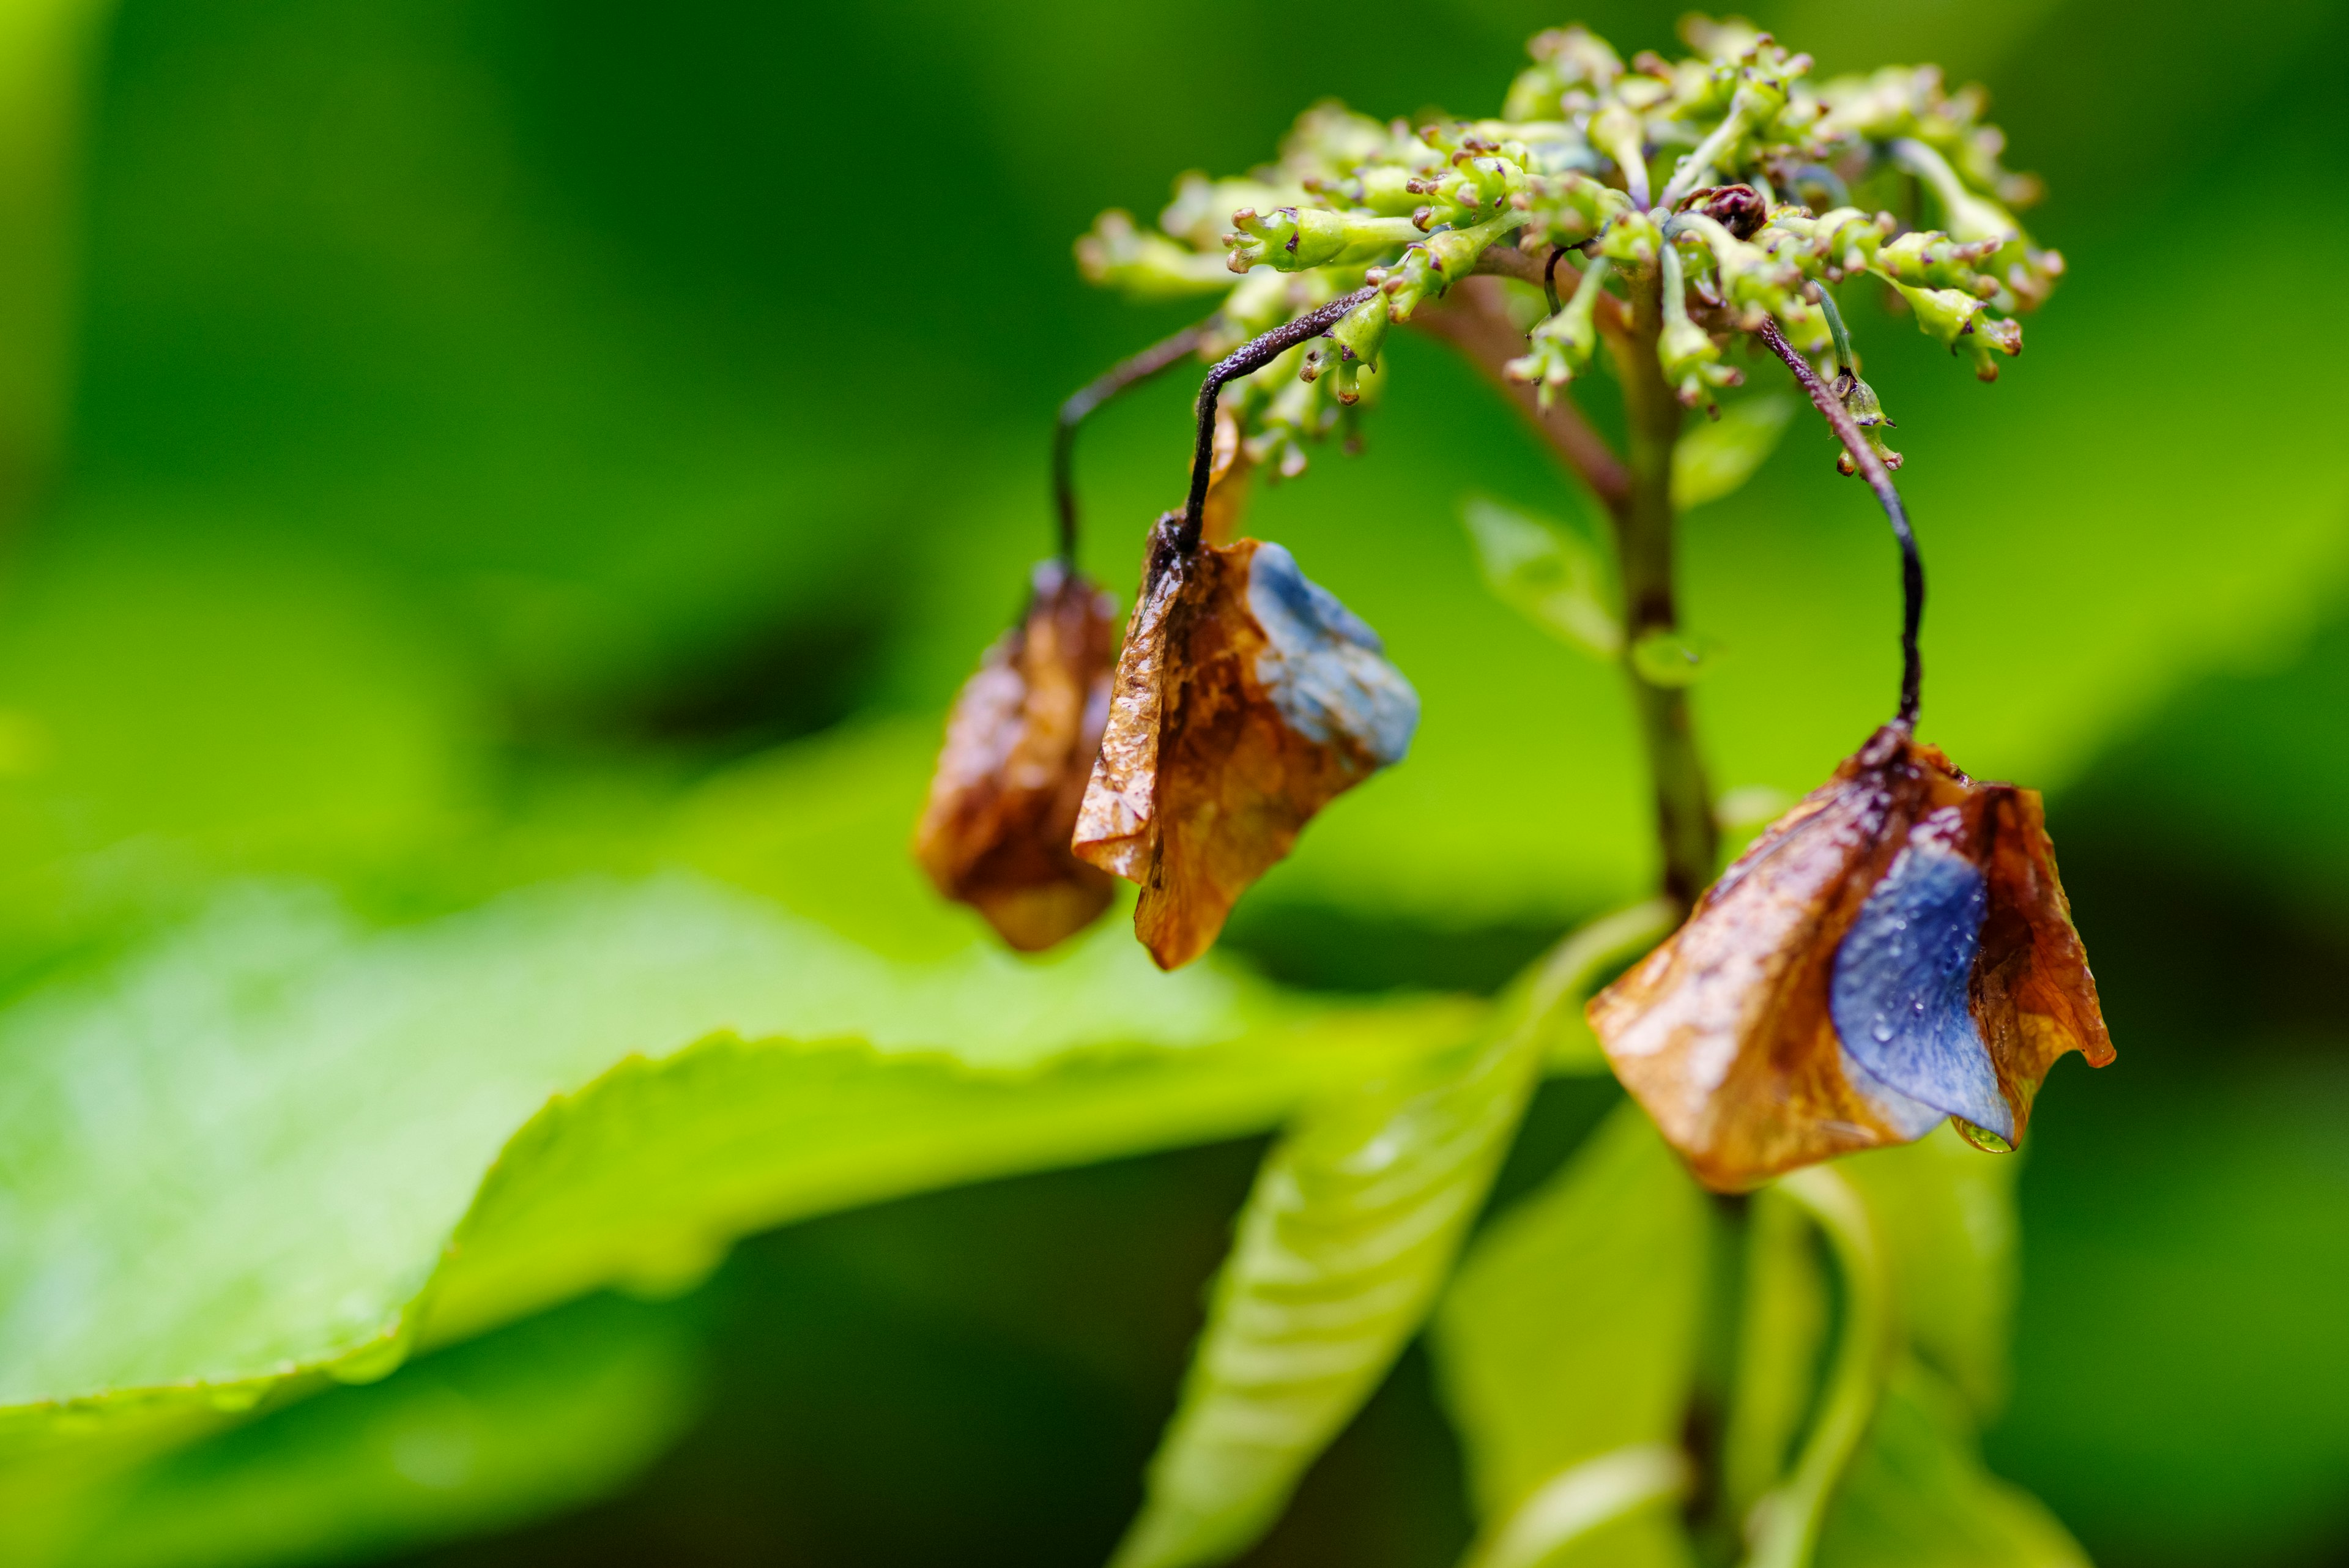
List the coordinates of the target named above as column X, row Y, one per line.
column 1917, row 1495
column 241, row 1154
column 1783, row 1330
column 1946, row 1214
column 1571, row 1336
column 545, row 1415
column 1553, row 575
column 1346, row 1238
column 1716, row 456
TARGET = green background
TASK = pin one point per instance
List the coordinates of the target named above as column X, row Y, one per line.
column 473, row 426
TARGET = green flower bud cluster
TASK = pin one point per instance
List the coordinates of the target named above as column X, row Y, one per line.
column 1562, row 343
column 1702, row 176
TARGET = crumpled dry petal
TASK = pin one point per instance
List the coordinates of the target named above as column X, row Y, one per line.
column 1895, row 949
column 1019, row 750
column 1245, row 699
column 1230, row 477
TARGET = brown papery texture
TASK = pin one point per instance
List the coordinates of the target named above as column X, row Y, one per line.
column 1019, row 748
column 1230, row 479
column 2032, row 992
column 1202, row 784
column 1724, row 1032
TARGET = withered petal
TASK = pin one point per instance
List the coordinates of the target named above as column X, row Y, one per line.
column 1323, row 667
column 1245, row 699
column 1895, row 949
column 1899, row 992
column 1018, row 751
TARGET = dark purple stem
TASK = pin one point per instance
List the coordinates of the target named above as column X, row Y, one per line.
column 1253, row 355
column 1879, row 479
column 1126, row 373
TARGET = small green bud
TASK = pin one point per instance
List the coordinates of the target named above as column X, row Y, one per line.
column 1750, row 277
column 1328, row 139
column 1355, row 343
column 1472, row 187
column 1859, row 399
column 1615, row 130
column 1562, row 346
column 1633, row 240
column 1436, row 263
column 1297, row 239
column 1143, row 266
column 1692, row 362
column 1840, row 241
column 1927, row 259
column 1384, row 188
column 1202, row 209
column 1959, row 322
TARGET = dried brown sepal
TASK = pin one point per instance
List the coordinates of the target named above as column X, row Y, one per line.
column 1728, row 1033
column 1230, row 478
column 1245, row 699
column 1019, row 748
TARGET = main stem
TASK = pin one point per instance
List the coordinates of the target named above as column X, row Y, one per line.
column 1643, row 541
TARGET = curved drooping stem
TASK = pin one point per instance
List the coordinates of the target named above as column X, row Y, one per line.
column 1249, row 356
column 1879, row 479
column 1786, row 1531
column 1118, row 378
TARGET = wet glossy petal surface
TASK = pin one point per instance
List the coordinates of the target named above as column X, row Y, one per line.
column 1895, row 949
column 1322, row 666
column 1898, row 995
column 1018, row 751
column 1245, row 699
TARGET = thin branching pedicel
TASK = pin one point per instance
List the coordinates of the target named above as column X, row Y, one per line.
column 1159, row 357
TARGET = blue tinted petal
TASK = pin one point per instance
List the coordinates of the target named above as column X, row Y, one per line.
column 1898, row 993
column 1324, row 670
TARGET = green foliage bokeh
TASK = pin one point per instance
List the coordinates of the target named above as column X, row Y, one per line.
column 495, row 428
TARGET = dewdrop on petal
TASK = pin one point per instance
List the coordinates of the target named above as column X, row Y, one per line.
column 1895, row 949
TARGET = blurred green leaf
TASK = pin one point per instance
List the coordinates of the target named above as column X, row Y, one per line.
column 1551, row 575
column 1781, row 1331
column 1946, row 1214
column 1917, row 1495
column 546, row 1415
column 1347, row 1236
column 239, row 1153
column 1570, row 1333
column 1716, row 456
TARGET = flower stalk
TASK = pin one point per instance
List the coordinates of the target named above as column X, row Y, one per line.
column 1119, row 378
column 1687, row 838
column 1863, row 456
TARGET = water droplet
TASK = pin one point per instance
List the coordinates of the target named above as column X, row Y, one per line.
column 1982, row 1138
column 1882, row 1030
